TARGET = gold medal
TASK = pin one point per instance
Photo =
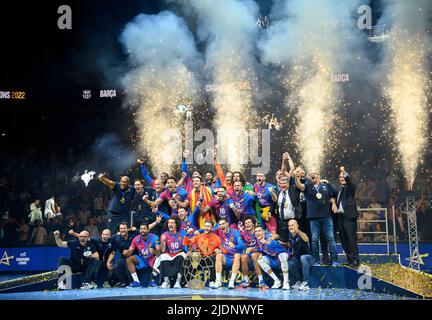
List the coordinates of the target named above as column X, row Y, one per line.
column 319, row 195
column 122, row 200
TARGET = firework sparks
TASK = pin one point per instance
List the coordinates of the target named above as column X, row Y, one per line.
column 161, row 79
column 406, row 90
column 229, row 29
column 316, row 107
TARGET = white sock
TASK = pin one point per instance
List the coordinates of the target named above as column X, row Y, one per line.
column 260, row 277
column 246, row 278
column 166, row 279
column 135, row 277
column 273, row 276
column 285, row 277
column 154, row 273
column 179, row 276
column 218, row 277
column 233, row 277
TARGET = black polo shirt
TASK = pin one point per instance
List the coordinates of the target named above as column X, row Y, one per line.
column 117, row 196
column 143, row 211
column 298, row 245
column 78, row 251
column 120, row 243
column 318, row 206
column 104, row 249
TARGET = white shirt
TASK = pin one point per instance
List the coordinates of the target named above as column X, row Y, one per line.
column 289, row 210
column 340, row 209
column 49, row 207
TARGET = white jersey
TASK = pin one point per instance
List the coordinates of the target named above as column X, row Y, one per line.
column 50, row 209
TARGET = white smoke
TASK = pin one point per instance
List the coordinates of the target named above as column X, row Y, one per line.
column 407, row 81
column 164, row 61
column 228, row 30
column 313, row 40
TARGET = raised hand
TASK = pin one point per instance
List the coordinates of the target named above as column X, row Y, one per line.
column 159, row 218
column 334, row 208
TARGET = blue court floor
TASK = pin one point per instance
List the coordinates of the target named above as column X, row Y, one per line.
column 189, row 294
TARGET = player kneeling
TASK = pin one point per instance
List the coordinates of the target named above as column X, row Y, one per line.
column 146, row 245
column 232, row 241
column 272, row 255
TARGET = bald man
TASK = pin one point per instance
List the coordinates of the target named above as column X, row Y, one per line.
column 302, row 259
column 122, row 195
column 105, row 248
column 84, row 258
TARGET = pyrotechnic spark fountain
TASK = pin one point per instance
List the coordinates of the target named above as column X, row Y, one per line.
column 157, row 100
column 406, row 89
column 229, row 29
column 313, row 48
column 162, row 77
column 317, row 96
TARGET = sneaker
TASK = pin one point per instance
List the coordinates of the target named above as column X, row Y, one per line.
column 177, row 285
column 61, row 286
column 153, row 283
column 215, row 285
column 277, row 284
column 263, row 285
column 286, row 286
column 165, row 285
column 304, row 286
column 86, row 286
column 316, row 264
column 120, row 284
column 231, row 285
column 135, row 284
column 244, row 284
column 335, row 264
column 297, row 285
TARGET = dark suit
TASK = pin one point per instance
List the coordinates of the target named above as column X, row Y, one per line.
column 347, row 220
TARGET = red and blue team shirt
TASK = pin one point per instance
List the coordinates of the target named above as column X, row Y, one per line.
column 272, row 249
column 144, row 246
column 174, row 242
column 233, row 236
column 223, row 210
column 167, row 195
column 245, row 202
column 263, row 195
column 250, row 239
column 185, row 225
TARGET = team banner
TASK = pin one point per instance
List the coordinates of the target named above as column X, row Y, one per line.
column 31, row 259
